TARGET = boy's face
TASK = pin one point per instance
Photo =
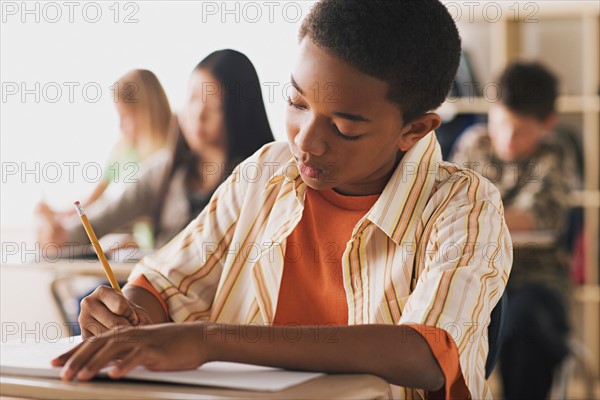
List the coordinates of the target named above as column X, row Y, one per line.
column 342, row 130
column 515, row 137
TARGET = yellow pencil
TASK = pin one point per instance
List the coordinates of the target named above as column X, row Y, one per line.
column 90, row 232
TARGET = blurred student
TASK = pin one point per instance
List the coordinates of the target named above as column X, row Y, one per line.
column 144, row 121
column 145, row 116
column 341, row 240
column 222, row 122
column 534, row 174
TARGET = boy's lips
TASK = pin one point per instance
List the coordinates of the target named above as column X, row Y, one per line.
column 310, row 171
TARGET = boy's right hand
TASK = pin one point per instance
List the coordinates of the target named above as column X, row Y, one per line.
column 105, row 309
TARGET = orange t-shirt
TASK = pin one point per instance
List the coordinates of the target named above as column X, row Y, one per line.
column 312, row 289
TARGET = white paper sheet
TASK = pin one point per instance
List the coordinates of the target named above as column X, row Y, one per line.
column 33, row 359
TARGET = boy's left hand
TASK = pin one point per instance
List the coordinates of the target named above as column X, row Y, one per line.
column 164, row 347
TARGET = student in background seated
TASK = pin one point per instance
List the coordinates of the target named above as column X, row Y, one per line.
column 534, row 175
column 145, row 117
column 222, row 122
column 144, row 122
column 354, row 250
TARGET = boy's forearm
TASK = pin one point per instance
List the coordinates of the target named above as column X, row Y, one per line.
column 398, row 354
column 147, row 301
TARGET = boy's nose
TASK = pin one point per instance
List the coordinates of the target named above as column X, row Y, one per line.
column 310, row 141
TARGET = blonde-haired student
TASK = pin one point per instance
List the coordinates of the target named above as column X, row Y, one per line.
column 353, row 248
column 144, row 119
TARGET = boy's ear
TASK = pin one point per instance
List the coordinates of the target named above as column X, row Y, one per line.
column 415, row 130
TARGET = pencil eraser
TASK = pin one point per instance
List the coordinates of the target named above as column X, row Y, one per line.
column 76, row 203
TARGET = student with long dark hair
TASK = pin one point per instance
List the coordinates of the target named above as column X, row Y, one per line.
column 222, row 122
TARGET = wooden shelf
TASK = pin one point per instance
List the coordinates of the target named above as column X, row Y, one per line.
column 585, row 198
column 587, row 293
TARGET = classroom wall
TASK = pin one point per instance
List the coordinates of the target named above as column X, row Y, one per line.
column 58, row 61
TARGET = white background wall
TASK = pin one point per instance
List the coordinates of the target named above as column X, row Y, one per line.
column 45, row 46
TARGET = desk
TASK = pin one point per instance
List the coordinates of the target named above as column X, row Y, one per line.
column 74, row 267
column 324, row 387
column 30, row 276
column 543, row 239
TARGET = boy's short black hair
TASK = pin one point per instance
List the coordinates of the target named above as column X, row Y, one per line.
column 413, row 45
column 529, row 89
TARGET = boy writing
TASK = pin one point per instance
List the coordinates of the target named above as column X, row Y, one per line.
column 355, row 225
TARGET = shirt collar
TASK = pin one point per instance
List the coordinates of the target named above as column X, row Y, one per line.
column 289, row 173
column 408, row 190
column 405, row 194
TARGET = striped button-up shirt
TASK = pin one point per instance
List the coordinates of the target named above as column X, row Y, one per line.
column 433, row 250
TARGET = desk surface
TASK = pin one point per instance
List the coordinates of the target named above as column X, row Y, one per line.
column 538, row 238
column 74, row 268
column 324, row 387
column 21, row 251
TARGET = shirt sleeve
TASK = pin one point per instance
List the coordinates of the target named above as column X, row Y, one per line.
column 465, row 266
column 446, row 354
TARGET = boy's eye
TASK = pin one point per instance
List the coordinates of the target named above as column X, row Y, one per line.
column 296, row 106
column 342, row 135
column 335, row 128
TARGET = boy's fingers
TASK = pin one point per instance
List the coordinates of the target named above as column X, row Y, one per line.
column 116, row 303
column 108, row 320
column 91, row 327
column 63, row 358
column 111, row 351
column 129, row 362
column 80, row 358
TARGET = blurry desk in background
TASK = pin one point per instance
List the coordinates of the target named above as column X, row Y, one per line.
column 542, row 239
column 31, row 276
column 324, row 387
column 32, row 295
column 74, row 267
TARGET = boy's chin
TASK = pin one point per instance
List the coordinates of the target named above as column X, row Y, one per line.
column 319, row 183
